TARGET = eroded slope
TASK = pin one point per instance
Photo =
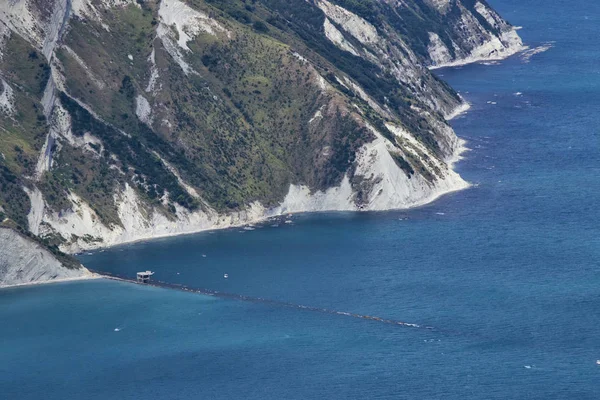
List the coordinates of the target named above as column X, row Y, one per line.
column 124, row 120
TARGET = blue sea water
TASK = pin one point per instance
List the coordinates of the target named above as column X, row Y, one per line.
column 506, row 273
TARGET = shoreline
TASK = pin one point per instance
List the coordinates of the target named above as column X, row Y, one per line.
column 462, row 143
column 456, row 157
column 458, row 111
column 508, row 52
column 91, row 276
column 426, row 202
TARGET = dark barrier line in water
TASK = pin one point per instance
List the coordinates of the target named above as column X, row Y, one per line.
column 251, row 299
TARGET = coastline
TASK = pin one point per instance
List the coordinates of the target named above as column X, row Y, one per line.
column 253, row 216
column 458, row 111
column 462, row 143
column 473, row 59
column 91, row 276
column 81, row 221
column 279, row 213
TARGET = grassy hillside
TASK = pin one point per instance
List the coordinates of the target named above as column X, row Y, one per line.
column 216, row 104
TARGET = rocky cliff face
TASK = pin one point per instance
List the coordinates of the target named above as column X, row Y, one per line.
column 24, row 261
column 123, row 120
column 473, row 32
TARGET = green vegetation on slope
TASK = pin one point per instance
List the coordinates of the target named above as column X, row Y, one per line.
column 251, row 118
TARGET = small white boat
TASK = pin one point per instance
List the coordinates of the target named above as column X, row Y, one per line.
column 226, row 276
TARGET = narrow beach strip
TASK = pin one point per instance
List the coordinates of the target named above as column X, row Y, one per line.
column 58, row 280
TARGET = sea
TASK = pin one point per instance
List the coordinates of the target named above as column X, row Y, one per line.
column 488, row 293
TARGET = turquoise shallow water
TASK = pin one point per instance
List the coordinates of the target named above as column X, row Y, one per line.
column 506, row 273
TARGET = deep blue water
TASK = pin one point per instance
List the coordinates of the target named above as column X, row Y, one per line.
column 507, row 273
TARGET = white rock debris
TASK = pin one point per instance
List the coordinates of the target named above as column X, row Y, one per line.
column 4, row 35
column 36, row 212
column 18, row 16
column 153, row 82
column 138, row 222
column 60, row 121
column 441, row 5
column 85, row 9
column 393, row 188
column 318, row 115
column 336, row 37
column 60, row 130
column 60, row 125
column 323, row 84
column 179, row 24
column 438, row 52
column 44, row 162
column 492, row 18
column 143, row 110
column 7, row 105
column 187, row 21
column 54, row 28
column 418, row 149
column 359, row 28
column 483, row 44
column 299, row 57
column 166, row 34
column 300, row 199
column 497, row 48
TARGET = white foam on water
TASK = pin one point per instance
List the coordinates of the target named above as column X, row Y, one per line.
column 528, row 54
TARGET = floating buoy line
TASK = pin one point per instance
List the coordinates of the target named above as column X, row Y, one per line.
column 261, row 300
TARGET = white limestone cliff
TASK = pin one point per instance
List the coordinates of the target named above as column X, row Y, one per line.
column 23, row 261
column 390, row 188
column 387, row 185
column 482, row 43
